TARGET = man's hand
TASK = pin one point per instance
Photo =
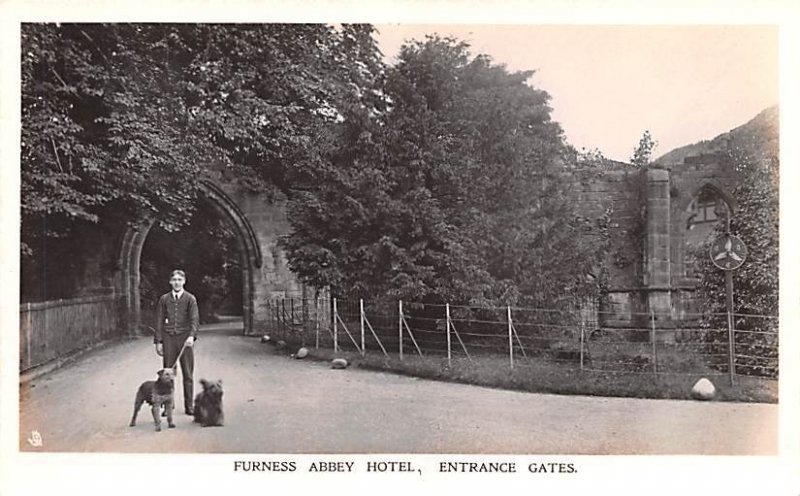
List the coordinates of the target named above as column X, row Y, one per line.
column 159, row 349
column 190, row 341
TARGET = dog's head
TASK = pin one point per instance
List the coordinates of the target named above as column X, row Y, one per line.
column 166, row 376
column 212, row 388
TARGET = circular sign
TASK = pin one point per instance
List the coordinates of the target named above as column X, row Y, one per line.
column 728, row 252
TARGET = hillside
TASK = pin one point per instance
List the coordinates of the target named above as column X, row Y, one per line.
column 760, row 135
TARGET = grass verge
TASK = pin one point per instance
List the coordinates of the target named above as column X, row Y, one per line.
column 539, row 375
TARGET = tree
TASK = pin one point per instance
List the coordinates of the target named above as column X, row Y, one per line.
column 451, row 194
column 644, row 151
column 121, row 121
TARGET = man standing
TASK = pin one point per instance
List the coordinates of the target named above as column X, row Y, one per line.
column 177, row 321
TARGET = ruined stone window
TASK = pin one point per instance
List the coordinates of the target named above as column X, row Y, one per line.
column 703, row 209
column 704, row 212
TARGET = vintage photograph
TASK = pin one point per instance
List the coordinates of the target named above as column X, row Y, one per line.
column 547, row 239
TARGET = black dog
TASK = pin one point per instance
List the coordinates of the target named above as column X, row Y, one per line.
column 157, row 393
column 208, row 404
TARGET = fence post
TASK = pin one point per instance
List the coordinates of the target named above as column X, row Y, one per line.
column 731, row 331
column 291, row 317
column 653, row 339
column 283, row 318
column 335, row 327
column 449, row 355
column 316, row 322
column 400, row 327
column 28, row 334
column 510, row 340
column 583, row 338
column 361, row 311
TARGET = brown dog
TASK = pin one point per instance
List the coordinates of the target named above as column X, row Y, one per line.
column 157, row 393
column 208, row 404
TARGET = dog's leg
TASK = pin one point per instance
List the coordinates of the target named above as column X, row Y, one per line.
column 156, row 409
column 137, row 404
column 169, row 406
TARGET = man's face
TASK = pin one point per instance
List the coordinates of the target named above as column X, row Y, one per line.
column 177, row 281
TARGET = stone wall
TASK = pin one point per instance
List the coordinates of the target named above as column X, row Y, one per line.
column 618, row 191
column 649, row 215
column 271, row 278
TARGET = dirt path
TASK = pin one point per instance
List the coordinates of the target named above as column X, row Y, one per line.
column 277, row 405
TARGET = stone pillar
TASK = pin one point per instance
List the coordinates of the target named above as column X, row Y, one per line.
column 272, row 279
column 657, row 242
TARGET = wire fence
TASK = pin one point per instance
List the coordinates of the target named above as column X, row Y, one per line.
column 571, row 335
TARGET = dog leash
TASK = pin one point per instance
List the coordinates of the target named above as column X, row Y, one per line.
column 180, row 353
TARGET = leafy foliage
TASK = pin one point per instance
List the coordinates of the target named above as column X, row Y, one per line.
column 122, row 120
column 452, row 193
column 129, row 114
column 435, row 178
column 644, row 150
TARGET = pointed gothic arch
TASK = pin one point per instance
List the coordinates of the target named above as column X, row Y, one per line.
column 135, row 236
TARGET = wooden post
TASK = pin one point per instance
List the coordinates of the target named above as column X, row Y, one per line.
column 510, row 340
column 583, row 339
column 291, row 315
column 400, row 328
column 283, row 318
column 28, row 335
column 731, row 341
column 361, row 311
column 654, row 341
column 449, row 355
column 316, row 322
column 335, row 328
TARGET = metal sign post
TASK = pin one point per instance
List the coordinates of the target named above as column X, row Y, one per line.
column 728, row 253
column 731, row 337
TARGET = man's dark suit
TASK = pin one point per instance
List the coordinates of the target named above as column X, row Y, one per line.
column 176, row 320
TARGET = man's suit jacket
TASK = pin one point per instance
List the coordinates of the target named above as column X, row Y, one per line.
column 176, row 316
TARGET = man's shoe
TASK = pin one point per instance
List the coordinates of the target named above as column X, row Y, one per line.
column 189, row 411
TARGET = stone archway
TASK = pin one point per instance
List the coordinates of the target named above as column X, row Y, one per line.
column 135, row 236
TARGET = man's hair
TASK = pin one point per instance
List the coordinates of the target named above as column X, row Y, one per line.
column 177, row 272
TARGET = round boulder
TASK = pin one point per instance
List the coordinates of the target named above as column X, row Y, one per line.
column 338, row 363
column 703, row 389
column 265, row 338
column 281, row 344
column 301, row 353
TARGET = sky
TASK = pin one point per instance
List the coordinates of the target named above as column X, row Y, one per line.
column 611, row 83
